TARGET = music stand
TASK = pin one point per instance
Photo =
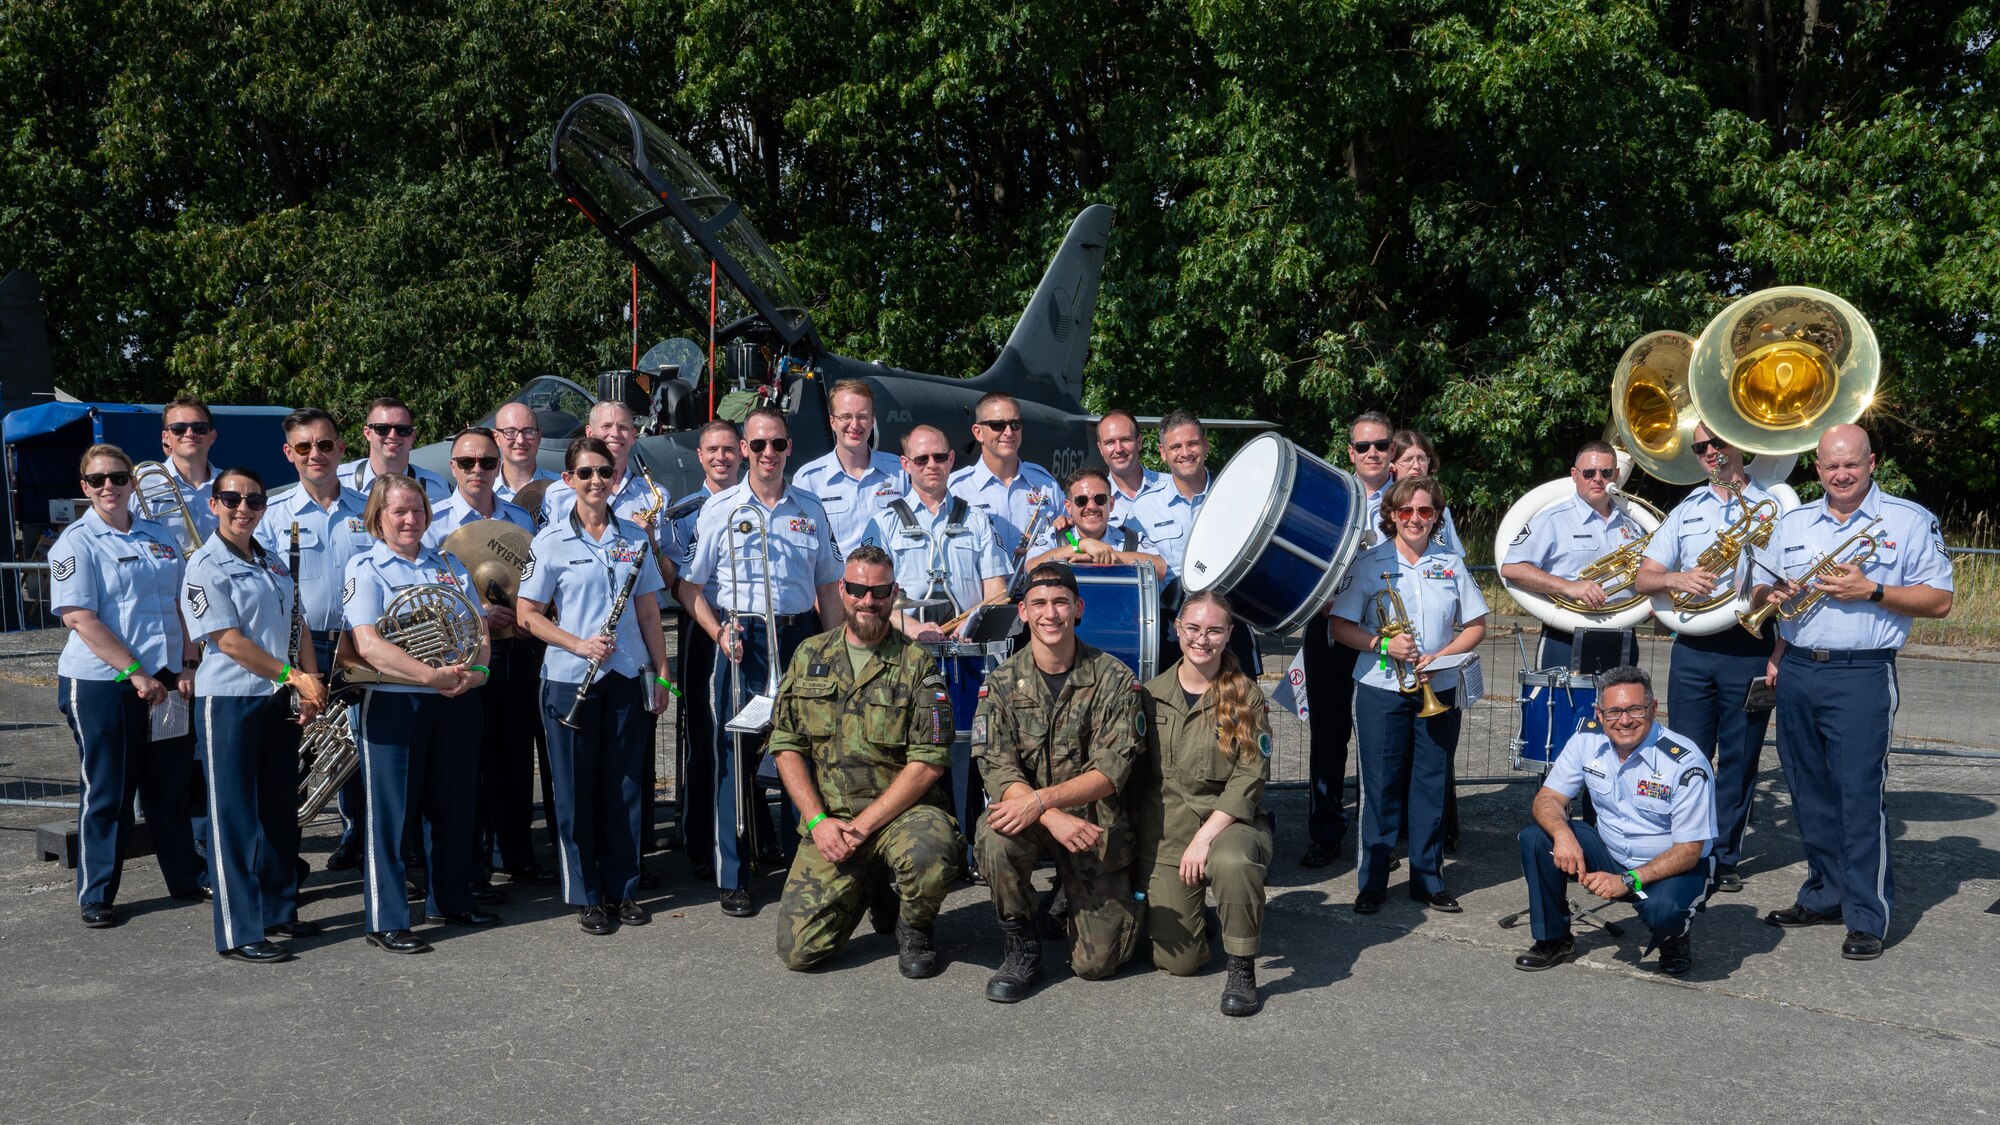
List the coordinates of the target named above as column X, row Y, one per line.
column 1593, row 652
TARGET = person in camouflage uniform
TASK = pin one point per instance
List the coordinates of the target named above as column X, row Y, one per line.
column 862, row 732
column 1057, row 732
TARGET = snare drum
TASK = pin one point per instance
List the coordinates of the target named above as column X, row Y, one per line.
column 1554, row 703
column 1278, row 530
column 1121, row 614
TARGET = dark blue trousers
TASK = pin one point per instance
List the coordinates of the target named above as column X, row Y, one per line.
column 694, row 785
column 734, row 756
column 119, row 763
column 600, row 774
column 1706, row 687
column 253, row 789
column 1405, row 773
column 419, row 755
column 510, row 703
column 1668, row 908
column 1329, row 668
column 1833, row 741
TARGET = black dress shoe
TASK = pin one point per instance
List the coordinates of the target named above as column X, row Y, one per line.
column 594, row 920
column 474, row 917
column 100, row 915
column 417, row 890
column 630, row 913
column 199, row 894
column 1795, row 915
column 702, row 871
column 1726, row 879
column 532, row 876
column 736, row 903
column 1395, row 863
column 647, row 880
column 398, row 941
column 293, row 929
column 1442, row 902
column 1861, row 946
column 343, row 857
column 1319, row 853
column 486, row 894
column 1368, row 902
column 1546, row 954
column 1676, row 956
column 259, row 953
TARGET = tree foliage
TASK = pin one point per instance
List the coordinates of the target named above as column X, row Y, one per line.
column 1458, row 211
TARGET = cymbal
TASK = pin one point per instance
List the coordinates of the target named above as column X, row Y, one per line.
column 494, row 553
column 906, row 604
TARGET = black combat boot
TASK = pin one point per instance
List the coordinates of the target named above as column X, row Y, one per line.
column 1239, row 992
column 916, row 956
column 1022, row 965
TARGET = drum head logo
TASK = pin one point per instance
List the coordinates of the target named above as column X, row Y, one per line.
column 198, row 600
column 63, row 569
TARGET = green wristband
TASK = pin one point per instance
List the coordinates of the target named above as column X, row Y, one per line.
column 284, row 674
column 481, row 669
column 814, row 821
column 126, row 674
column 668, row 684
column 1638, row 884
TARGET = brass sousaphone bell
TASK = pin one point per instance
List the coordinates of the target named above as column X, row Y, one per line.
column 1780, row 367
column 1652, row 413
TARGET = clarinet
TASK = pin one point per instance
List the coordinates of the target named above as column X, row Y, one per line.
column 574, row 719
column 298, row 614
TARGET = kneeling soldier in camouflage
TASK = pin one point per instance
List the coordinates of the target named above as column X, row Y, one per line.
column 862, row 732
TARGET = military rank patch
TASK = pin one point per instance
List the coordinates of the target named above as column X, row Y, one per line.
column 819, row 670
column 979, row 730
column 528, row 569
column 1658, row 790
column 198, row 600
column 1521, row 537
column 1264, row 743
column 347, row 592
column 63, row 569
column 1345, row 582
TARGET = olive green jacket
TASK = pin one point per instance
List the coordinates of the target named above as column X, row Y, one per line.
column 1186, row 775
column 860, row 733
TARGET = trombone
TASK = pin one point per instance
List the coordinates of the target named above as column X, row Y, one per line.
column 1862, row 547
column 159, row 497
column 1393, row 620
column 754, row 717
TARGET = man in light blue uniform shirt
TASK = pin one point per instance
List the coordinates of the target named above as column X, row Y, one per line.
column 1655, row 823
column 391, row 431
column 1710, row 675
column 1559, row 541
column 1167, row 515
column 609, row 422
column 520, row 435
column 475, row 467
column 1118, row 443
column 1835, row 671
column 1009, row 490
column 803, row 594
column 330, row 534
column 1097, row 533
column 942, row 545
column 719, row 448
column 187, row 433
column 853, row 482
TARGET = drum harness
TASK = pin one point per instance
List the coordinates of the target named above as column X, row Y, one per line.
column 954, row 524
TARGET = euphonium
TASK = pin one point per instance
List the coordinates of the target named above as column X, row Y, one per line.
column 160, row 497
column 1393, row 620
column 1616, row 571
column 1754, row 526
column 327, row 758
column 1863, row 544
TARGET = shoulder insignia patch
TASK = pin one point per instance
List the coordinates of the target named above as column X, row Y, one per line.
column 1520, row 537
column 979, row 730
column 933, row 680
column 528, row 568
column 1695, row 774
column 63, row 569
column 1264, row 743
column 1139, row 723
column 198, row 601
column 1346, row 581
column 347, row 592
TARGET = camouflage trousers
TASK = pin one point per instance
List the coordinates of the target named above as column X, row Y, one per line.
column 824, row 900
column 1237, row 863
column 1103, row 915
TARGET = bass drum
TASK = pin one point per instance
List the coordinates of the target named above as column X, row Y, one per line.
column 1121, row 614
column 1515, row 524
column 1770, row 471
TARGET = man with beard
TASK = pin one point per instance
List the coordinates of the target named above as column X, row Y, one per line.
column 862, row 733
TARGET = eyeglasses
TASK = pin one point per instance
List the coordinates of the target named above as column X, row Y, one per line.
column 324, row 445
column 860, row 590
column 585, row 472
column 1197, row 633
column 1701, row 448
column 1638, row 712
column 1091, row 499
column 1002, row 425
column 850, row 419
column 1597, row 474
column 777, row 444
column 198, row 429
column 384, row 429
column 516, row 433
column 230, row 500
column 96, row 480
column 467, row 464
column 1416, row 511
column 922, row 459
column 1379, row 445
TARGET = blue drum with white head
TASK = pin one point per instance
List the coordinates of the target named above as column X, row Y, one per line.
column 1555, row 703
column 1121, row 614
column 1277, row 532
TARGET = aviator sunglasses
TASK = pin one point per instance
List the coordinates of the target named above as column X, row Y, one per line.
column 467, row 464
column 585, row 472
column 922, row 459
column 776, row 444
column 324, row 445
column 1379, row 445
column 384, row 429
column 1597, row 474
column 1416, row 511
column 1701, row 448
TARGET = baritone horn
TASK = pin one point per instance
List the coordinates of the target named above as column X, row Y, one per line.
column 327, row 758
column 1780, row 367
column 1855, row 550
column 160, row 497
column 1393, row 620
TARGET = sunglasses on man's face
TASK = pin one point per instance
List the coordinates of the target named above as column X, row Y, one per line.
column 922, row 459
column 467, row 464
column 231, row 500
column 324, row 445
column 860, row 590
column 1091, row 499
column 384, row 429
column 1597, row 474
column 198, row 429
column 1701, row 448
column 96, row 480
column 1380, row 445
column 776, row 444
column 585, row 472
column 1001, row 424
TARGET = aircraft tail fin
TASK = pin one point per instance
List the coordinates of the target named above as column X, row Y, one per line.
column 1043, row 359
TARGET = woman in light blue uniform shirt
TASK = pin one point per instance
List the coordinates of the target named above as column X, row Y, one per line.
column 419, row 741
column 577, row 565
column 1405, row 759
column 237, row 597
column 116, row 582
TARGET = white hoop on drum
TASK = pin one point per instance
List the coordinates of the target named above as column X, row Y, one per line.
column 1543, row 609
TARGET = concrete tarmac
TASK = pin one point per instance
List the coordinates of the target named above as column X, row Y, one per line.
column 1407, row 1015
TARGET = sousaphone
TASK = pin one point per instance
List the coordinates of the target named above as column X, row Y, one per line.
column 1780, row 367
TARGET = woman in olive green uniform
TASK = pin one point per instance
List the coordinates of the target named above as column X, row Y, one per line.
column 1198, row 804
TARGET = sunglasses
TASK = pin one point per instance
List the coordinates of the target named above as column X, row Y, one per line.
column 324, row 445
column 467, row 464
column 585, row 472
column 231, row 500
column 860, row 590
column 1597, row 474
column 1701, row 448
column 384, row 429
column 1091, row 499
column 923, row 459
column 1001, row 424
column 96, row 480
column 516, row 433
column 1416, row 511
column 1380, row 445
column 776, row 444
column 199, row 429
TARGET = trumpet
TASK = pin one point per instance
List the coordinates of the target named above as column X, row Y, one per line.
column 1616, row 571
column 1862, row 546
column 1754, row 527
column 1393, row 620
column 159, row 498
